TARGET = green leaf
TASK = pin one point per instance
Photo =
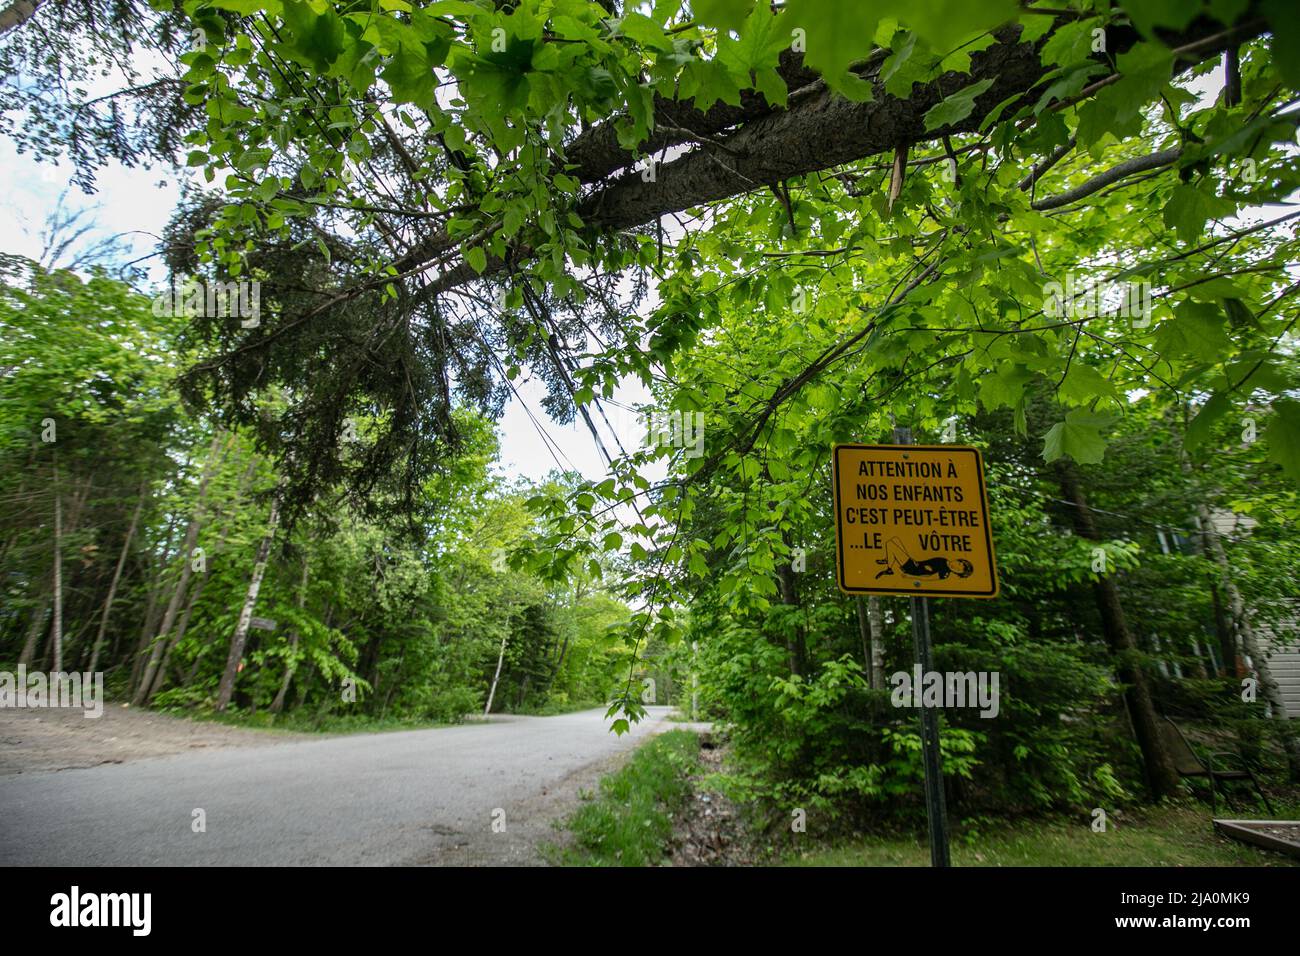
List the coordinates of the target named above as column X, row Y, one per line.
column 477, row 259
column 644, row 31
column 1070, row 43
column 1149, row 14
column 708, row 81
column 724, row 14
column 836, row 34
column 1239, row 315
column 1034, row 28
column 1190, row 207
column 944, row 24
column 1079, row 437
column 1285, row 48
column 513, row 219
column 247, row 8
column 905, row 66
column 1117, row 109
column 1228, row 12
column 1005, row 387
column 1283, row 436
column 1200, row 427
column 317, row 38
column 955, row 108
column 1083, row 383
column 1197, row 329
column 757, row 53
column 959, row 60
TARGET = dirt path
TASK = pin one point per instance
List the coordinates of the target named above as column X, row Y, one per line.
column 709, row 831
column 35, row 739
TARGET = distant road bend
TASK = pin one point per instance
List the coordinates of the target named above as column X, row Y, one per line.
column 419, row 797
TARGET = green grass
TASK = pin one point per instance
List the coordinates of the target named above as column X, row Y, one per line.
column 628, row 822
column 1175, row 835
column 308, row 723
column 553, row 708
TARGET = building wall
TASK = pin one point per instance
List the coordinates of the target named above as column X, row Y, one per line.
column 1284, row 663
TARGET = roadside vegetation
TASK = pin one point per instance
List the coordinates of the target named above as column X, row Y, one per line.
column 631, row 821
column 628, row 821
column 1171, row 835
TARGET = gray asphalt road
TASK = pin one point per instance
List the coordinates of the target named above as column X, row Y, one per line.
column 411, row 797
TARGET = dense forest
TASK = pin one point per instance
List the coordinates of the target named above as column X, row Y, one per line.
column 1063, row 236
column 145, row 541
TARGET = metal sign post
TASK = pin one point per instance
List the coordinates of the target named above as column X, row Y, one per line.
column 913, row 520
column 935, row 810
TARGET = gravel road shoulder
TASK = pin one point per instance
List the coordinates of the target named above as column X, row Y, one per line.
column 46, row 738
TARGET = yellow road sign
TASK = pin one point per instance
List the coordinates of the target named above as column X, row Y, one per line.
column 912, row 519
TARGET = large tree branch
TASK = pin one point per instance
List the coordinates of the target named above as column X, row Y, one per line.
column 823, row 131
column 827, row 130
column 1138, row 164
column 597, row 151
column 17, row 13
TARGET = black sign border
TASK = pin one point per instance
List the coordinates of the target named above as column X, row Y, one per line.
column 984, row 499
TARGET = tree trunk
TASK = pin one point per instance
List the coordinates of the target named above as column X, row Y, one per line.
column 1227, row 641
column 227, row 687
column 34, row 630
column 1197, row 666
column 17, row 13
column 822, row 130
column 1249, row 640
column 695, row 682
column 492, row 691
column 864, row 632
column 160, row 676
column 523, row 691
column 876, row 617
column 158, row 644
column 1162, row 778
column 871, row 625
column 117, row 577
column 155, row 590
column 796, row 646
column 291, row 665
column 65, row 525
column 56, row 623
column 151, row 613
column 392, row 684
column 557, row 664
column 22, row 493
